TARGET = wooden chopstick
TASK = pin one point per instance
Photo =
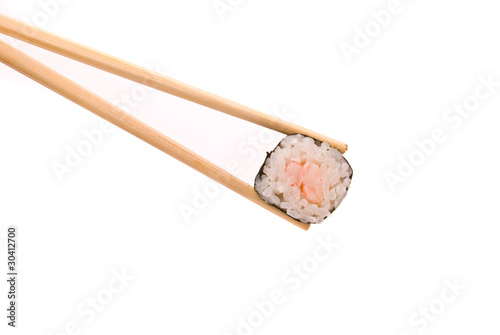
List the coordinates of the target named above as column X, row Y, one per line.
column 55, row 81
column 86, row 55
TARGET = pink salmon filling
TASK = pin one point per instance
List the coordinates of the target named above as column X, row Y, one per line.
column 309, row 178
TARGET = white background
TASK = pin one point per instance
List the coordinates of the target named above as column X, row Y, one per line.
column 119, row 209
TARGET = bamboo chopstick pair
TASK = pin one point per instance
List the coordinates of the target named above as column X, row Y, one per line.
column 60, row 84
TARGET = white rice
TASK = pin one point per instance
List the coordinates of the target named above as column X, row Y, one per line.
column 276, row 187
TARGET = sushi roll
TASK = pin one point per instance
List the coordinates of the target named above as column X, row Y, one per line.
column 305, row 178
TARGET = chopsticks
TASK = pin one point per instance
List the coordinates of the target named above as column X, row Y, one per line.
column 55, row 81
column 83, row 54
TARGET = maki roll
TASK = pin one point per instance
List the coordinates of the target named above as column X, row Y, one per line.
column 305, row 178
